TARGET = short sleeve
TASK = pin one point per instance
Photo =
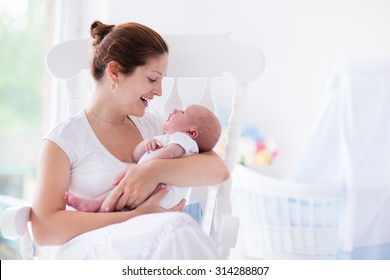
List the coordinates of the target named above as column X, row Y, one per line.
column 62, row 135
column 185, row 141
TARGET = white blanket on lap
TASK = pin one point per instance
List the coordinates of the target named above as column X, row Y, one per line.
column 171, row 235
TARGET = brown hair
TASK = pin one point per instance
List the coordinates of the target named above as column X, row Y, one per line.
column 130, row 44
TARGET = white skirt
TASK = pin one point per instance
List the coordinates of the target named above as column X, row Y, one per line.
column 163, row 236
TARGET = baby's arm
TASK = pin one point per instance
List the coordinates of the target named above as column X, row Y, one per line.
column 170, row 151
column 145, row 146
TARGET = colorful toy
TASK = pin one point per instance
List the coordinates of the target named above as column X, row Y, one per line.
column 254, row 149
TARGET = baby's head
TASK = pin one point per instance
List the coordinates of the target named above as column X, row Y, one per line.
column 198, row 122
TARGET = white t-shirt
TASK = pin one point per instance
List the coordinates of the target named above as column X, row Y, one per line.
column 93, row 167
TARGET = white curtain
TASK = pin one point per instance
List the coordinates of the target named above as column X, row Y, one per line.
column 351, row 147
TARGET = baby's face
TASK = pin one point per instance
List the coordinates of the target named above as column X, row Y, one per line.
column 181, row 120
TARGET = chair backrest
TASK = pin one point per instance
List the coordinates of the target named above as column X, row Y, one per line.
column 200, row 58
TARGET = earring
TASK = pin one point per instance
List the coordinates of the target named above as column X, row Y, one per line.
column 114, row 86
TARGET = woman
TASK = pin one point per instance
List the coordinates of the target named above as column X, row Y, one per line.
column 83, row 154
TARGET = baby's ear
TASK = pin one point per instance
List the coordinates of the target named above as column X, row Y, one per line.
column 193, row 133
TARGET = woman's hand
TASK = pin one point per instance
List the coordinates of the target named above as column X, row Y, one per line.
column 137, row 183
column 132, row 187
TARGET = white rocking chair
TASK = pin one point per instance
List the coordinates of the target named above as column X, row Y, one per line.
column 200, row 56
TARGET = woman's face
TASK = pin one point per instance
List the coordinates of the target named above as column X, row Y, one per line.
column 143, row 85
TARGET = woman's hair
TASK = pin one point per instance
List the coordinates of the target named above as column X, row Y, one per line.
column 130, row 44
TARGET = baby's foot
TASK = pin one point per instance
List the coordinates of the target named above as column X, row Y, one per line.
column 82, row 204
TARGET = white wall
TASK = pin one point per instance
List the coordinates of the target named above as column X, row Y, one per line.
column 301, row 40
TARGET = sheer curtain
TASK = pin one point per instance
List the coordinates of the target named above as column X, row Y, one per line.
column 350, row 147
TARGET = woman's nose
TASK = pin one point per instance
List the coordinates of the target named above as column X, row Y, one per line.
column 158, row 89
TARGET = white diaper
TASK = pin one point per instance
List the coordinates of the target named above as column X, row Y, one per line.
column 173, row 197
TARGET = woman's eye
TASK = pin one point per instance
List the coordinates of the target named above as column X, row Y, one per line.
column 152, row 80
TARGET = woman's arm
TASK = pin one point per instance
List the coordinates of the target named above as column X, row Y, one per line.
column 51, row 223
column 204, row 169
column 139, row 181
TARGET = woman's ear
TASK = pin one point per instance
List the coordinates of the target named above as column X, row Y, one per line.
column 113, row 70
column 193, row 133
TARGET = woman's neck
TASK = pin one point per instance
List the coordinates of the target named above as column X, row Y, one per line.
column 105, row 112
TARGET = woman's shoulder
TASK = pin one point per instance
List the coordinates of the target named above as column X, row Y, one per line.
column 63, row 134
column 68, row 126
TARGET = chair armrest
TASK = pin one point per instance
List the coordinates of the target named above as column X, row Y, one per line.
column 224, row 228
column 14, row 221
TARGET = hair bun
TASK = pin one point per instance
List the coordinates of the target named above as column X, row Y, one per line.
column 99, row 30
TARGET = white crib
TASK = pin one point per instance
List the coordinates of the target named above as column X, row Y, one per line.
column 341, row 211
column 281, row 219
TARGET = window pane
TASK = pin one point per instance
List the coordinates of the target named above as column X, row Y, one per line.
column 22, row 34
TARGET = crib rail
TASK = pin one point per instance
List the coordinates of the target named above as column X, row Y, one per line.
column 286, row 220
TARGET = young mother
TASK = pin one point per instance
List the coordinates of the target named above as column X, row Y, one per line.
column 86, row 155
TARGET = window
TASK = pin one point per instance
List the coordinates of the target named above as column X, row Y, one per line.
column 24, row 95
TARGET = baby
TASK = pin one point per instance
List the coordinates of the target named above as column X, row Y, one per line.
column 187, row 132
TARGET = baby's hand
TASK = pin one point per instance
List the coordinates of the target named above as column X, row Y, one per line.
column 151, row 145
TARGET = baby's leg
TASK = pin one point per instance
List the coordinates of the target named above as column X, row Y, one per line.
column 173, row 197
column 83, row 204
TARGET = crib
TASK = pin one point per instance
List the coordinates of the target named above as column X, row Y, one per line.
column 280, row 219
column 339, row 209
